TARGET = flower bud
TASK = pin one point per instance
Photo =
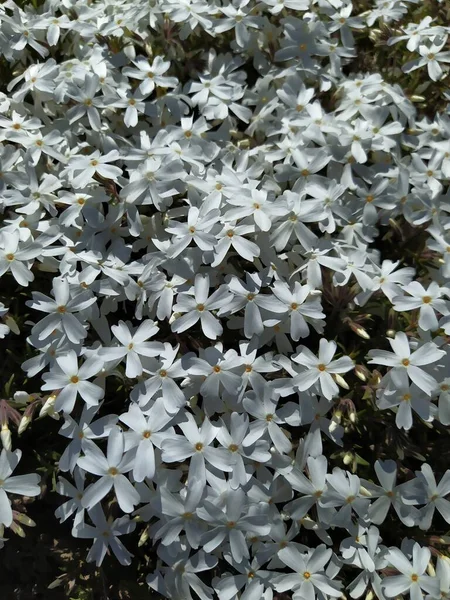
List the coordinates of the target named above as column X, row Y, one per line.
column 48, row 406
column 347, row 459
column 341, row 381
column 358, row 329
column 22, row 398
column 24, row 519
column 361, row 372
column 143, row 538
column 5, row 436
column 130, row 52
column 24, row 422
column 10, row 322
column 337, row 416
column 17, row 529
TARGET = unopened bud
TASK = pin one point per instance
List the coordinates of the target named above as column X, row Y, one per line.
column 24, row 422
column 369, row 595
column 174, row 317
column 376, row 377
column 48, row 407
column 243, row 144
column 130, row 52
column 337, row 416
column 17, row 529
column 148, row 49
column 24, row 519
column 347, row 459
column 390, row 333
column 415, row 98
column 307, row 522
column 430, row 570
column 5, row 436
column 358, row 329
column 341, row 381
column 352, row 416
column 22, row 398
column 333, row 426
column 365, row 492
column 143, row 538
column 10, row 322
column 361, row 372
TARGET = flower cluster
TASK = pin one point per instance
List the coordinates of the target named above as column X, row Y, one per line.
column 233, row 253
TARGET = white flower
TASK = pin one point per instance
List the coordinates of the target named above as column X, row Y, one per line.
column 231, row 523
column 93, row 164
column 412, row 578
column 105, row 534
column 150, row 74
column 133, row 345
column 431, row 56
column 389, row 494
column 308, row 577
column 18, row 258
column 432, row 495
column 196, row 229
column 72, row 380
column 198, row 306
column 406, row 364
column 180, row 514
column 195, row 443
column 61, row 311
column 24, row 485
column 110, row 469
column 146, row 431
column 428, row 301
column 320, row 369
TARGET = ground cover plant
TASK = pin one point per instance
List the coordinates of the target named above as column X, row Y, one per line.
column 225, row 299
